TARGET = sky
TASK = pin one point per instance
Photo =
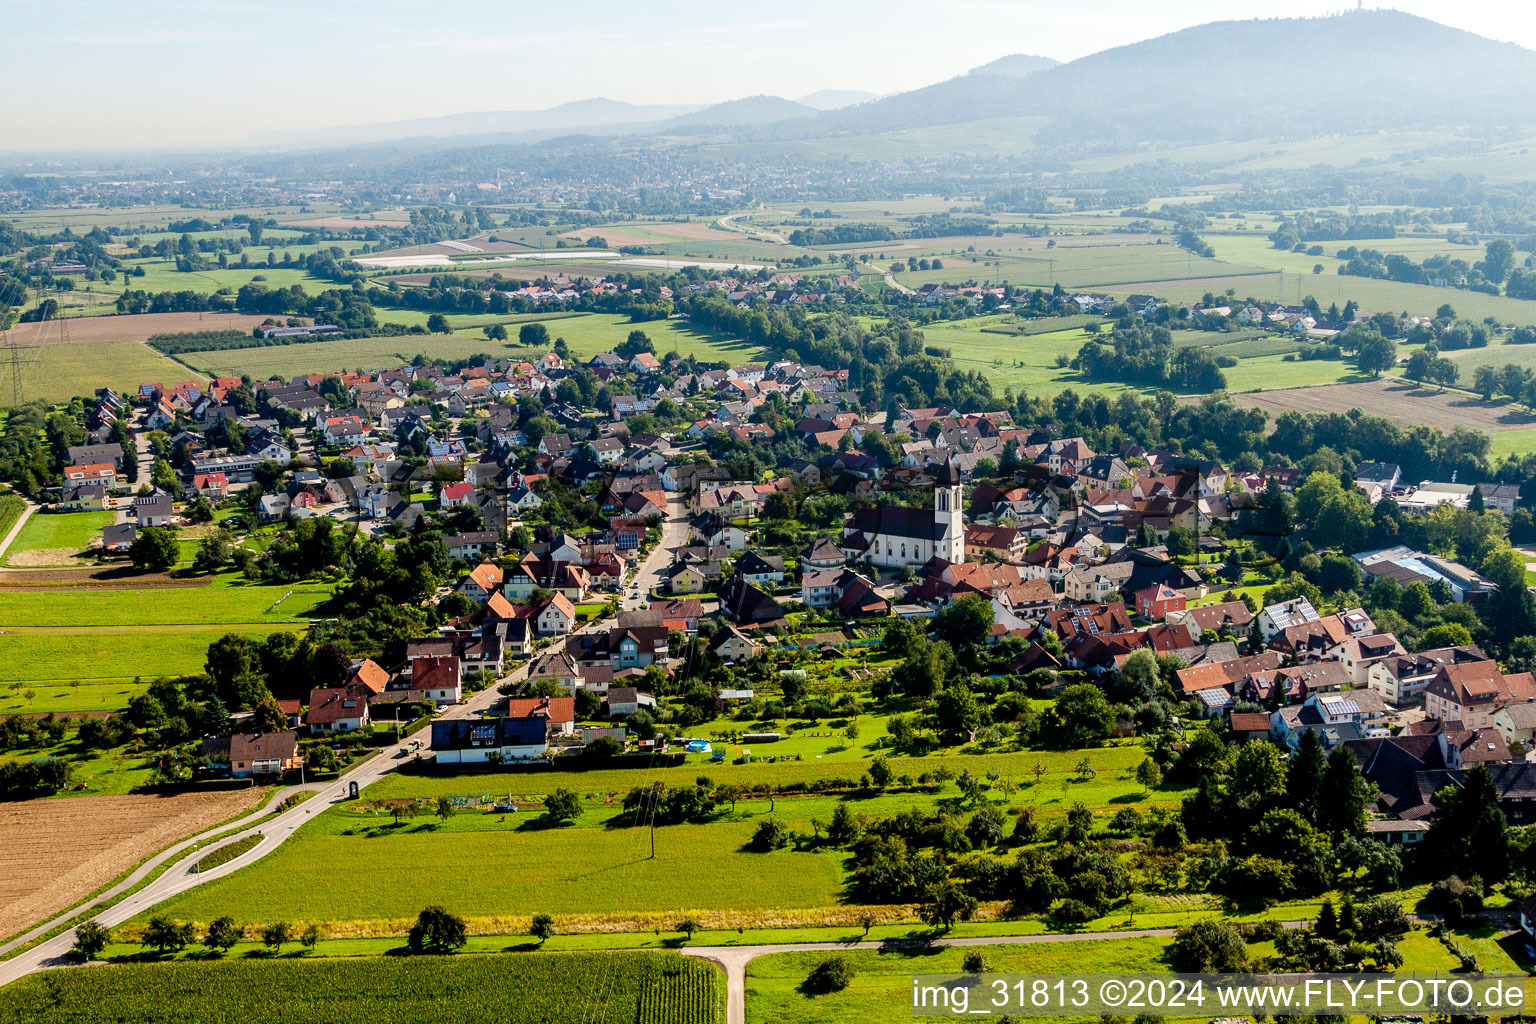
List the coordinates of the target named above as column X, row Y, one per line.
column 89, row 74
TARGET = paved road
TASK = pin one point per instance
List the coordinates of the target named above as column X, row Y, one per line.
column 674, row 534
column 21, row 521
column 891, row 282
column 735, row 958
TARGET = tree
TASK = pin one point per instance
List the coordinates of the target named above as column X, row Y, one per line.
column 1148, row 774
column 1208, row 947
column 542, row 927
column 212, row 553
column 771, row 834
column 1375, row 354
column 562, row 807
column 945, row 903
column 91, row 938
column 438, row 324
column 1469, row 835
column 534, row 335
column 164, row 935
column 1498, row 260
column 831, row 975
column 154, row 549
column 1446, row 634
column 495, row 332
column 957, row 714
column 309, row 938
column 976, row 962
column 880, row 771
column 1304, row 776
column 223, row 933
column 1081, row 717
column 965, row 622
column 436, row 931
column 688, row 926
column 275, row 935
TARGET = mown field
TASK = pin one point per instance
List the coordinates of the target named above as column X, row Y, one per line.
column 586, row 335
column 602, row 865
column 85, row 649
column 64, row 534
column 881, row 989
column 522, row 988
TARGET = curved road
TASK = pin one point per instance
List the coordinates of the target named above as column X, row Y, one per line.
column 53, row 952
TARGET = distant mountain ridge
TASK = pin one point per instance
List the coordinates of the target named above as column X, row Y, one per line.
column 1367, row 71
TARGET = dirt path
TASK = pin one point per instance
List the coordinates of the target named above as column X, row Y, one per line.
column 891, row 282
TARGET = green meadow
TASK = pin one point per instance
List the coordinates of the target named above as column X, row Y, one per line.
column 601, row 864
column 62, row 532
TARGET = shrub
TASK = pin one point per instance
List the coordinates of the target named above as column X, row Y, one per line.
column 771, row 834
column 831, row 975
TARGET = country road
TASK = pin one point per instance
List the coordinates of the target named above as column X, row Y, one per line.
column 728, row 223
column 175, row 879
column 21, row 520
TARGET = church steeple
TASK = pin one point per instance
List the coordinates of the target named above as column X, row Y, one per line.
column 948, row 527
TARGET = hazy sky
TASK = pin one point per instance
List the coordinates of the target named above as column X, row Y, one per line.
column 82, row 74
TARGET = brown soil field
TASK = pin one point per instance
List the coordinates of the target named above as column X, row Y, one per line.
column 647, row 234
column 132, row 327
column 54, row 853
column 1396, row 399
column 111, row 577
column 41, row 557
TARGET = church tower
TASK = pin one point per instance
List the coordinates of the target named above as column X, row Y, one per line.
column 948, row 527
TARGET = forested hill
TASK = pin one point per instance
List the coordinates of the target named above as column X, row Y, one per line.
column 1362, row 70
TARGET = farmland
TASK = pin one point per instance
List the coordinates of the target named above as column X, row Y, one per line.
column 587, row 335
column 92, row 648
column 601, row 865
column 525, row 988
column 107, row 835
column 1398, row 400
column 57, row 373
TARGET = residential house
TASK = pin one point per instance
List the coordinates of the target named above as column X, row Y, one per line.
column 489, row 740
column 438, row 678
column 556, row 617
column 1472, row 692
column 333, row 709
column 262, row 753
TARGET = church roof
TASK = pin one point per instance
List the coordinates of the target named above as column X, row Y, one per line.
column 899, row 521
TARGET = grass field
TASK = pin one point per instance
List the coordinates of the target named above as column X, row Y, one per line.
column 587, row 335
column 65, row 533
column 521, row 988
column 87, row 649
column 57, row 373
column 881, row 989
column 600, row 865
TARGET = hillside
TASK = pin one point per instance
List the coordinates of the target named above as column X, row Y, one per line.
column 747, row 111
column 1365, row 70
column 836, row 99
column 1016, row 65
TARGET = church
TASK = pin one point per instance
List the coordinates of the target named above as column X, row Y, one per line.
column 896, row 536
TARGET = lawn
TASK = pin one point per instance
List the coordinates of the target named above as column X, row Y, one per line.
column 881, row 989
column 64, row 532
column 587, row 335
column 523, row 988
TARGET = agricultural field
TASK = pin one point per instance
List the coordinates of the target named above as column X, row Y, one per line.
column 56, row 538
column 523, row 988
column 57, row 373
column 881, row 989
column 601, row 867
column 130, row 327
column 587, row 335
column 41, row 873
column 1400, row 401
column 88, row 648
